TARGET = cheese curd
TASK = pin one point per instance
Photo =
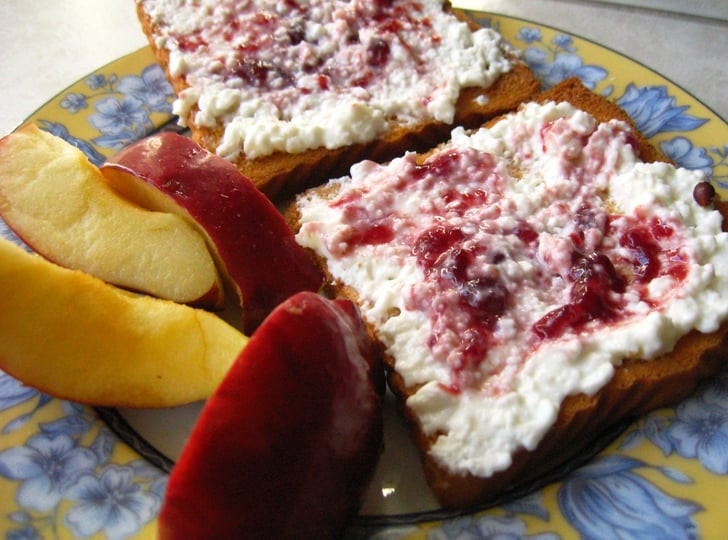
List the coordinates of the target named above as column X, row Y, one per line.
column 518, row 265
column 292, row 76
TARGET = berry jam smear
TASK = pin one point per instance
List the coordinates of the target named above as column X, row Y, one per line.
column 270, row 49
column 294, row 76
column 509, row 267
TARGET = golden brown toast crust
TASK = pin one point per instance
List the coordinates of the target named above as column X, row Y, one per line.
column 280, row 175
column 636, row 387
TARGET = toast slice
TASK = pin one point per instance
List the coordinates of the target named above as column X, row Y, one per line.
column 359, row 117
column 532, row 284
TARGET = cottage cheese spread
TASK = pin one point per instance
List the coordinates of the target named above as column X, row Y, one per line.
column 520, row 265
column 291, row 76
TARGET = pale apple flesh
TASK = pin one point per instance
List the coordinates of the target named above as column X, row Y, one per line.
column 76, row 337
column 60, row 205
column 252, row 242
column 288, row 443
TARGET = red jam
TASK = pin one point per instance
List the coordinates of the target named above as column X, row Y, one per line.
column 593, row 297
column 268, row 47
column 484, row 259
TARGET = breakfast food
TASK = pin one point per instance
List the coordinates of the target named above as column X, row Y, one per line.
column 75, row 337
column 287, row 444
column 295, row 92
column 532, row 283
column 252, row 244
column 59, row 204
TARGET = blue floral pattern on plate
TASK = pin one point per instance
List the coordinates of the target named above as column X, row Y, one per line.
column 698, row 429
column 123, row 109
column 66, row 475
column 557, row 60
column 608, row 499
column 56, row 465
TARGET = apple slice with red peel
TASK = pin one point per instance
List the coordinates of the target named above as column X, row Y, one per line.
column 251, row 240
column 287, row 444
column 59, row 204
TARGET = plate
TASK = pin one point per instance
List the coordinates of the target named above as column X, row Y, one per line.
column 71, row 471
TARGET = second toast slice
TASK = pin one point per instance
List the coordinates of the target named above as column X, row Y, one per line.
column 532, row 284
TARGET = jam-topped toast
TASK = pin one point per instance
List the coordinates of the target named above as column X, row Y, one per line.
column 532, row 283
column 295, row 92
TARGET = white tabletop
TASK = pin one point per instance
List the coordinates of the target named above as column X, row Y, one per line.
column 47, row 45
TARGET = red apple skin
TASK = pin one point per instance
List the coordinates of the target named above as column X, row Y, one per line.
column 249, row 236
column 289, row 441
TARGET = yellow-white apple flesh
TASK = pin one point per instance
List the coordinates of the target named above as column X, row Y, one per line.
column 59, row 204
column 254, row 246
column 76, row 337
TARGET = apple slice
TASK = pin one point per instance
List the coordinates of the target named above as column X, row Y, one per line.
column 59, row 204
column 251, row 240
column 76, row 337
column 286, row 445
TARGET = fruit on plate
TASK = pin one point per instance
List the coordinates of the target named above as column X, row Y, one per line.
column 286, row 445
column 251, row 240
column 76, row 337
column 59, row 204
